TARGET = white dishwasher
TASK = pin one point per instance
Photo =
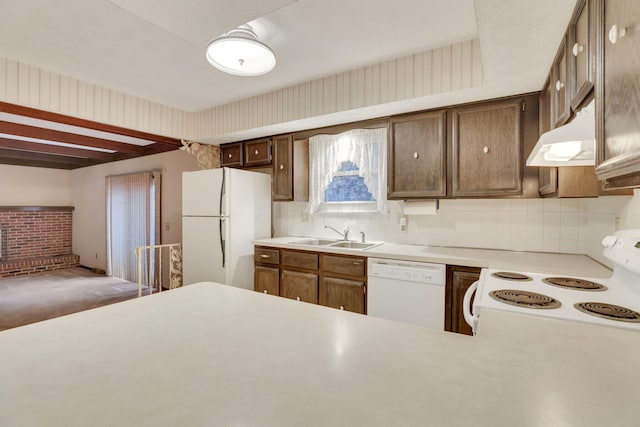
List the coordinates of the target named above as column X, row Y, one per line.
column 406, row 291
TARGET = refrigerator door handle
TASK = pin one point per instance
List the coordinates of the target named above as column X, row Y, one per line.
column 220, row 221
column 222, row 190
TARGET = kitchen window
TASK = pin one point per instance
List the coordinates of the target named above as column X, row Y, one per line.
column 348, row 171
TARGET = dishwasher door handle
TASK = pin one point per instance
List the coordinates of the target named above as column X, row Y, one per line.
column 466, row 307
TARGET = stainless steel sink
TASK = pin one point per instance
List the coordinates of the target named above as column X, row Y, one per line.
column 354, row 245
column 314, row 242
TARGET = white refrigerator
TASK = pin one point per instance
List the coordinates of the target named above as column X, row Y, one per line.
column 223, row 211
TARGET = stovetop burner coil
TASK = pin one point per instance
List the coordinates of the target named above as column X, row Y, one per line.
column 525, row 299
column 572, row 283
column 609, row 311
column 508, row 275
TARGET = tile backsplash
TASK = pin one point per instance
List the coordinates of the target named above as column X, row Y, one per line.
column 541, row 225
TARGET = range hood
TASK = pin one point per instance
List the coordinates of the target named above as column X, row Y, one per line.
column 572, row 144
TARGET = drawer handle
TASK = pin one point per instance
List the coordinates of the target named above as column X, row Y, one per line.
column 264, row 256
column 559, row 86
column 265, row 291
column 342, row 307
column 357, row 262
column 297, row 298
column 485, row 150
column 281, row 167
column 416, row 155
column 256, row 152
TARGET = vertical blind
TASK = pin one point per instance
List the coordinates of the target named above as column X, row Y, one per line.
column 133, row 219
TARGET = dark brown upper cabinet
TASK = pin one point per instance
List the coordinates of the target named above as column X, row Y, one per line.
column 581, row 53
column 231, row 154
column 618, row 93
column 258, row 152
column 560, row 86
column 417, row 166
column 283, row 168
column 486, row 149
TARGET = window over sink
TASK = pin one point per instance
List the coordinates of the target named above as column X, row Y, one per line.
column 348, row 171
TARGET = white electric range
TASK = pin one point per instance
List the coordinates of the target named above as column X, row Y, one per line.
column 611, row 302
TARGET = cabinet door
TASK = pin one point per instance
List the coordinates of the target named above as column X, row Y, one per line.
column 581, row 53
column 257, row 152
column 618, row 132
column 267, row 280
column 299, row 286
column 343, row 294
column 417, row 156
column 560, row 86
column 231, row 154
column 458, row 281
column 283, row 168
column 547, row 177
column 486, row 145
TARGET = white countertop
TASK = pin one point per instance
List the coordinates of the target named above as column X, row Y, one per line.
column 209, row 354
column 533, row 262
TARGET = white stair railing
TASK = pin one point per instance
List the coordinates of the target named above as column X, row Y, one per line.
column 150, row 266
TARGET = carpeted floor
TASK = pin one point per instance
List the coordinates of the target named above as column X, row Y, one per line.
column 36, row 297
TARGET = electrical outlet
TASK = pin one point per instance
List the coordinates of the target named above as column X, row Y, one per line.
column 403, row 224
column 617, row 223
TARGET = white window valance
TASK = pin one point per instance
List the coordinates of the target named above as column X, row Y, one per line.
column 366, row 148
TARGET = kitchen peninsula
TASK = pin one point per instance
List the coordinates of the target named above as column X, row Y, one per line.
column 209, row 354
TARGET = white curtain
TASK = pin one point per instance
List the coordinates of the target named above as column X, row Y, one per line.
column 133, row 219
column 364, row 147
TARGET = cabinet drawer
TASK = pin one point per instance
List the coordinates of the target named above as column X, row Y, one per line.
column 266, row 256
column 257, row 152
column 231, row 154
column 300, row 259
column 343, row 265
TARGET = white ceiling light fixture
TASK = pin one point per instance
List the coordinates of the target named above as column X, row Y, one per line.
column 239, row 52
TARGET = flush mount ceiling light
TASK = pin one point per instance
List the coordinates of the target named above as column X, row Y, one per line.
column 239, row 52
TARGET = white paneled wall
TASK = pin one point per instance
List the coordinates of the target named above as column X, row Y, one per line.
column 38, row 88
column 445, row 69
column 544, row 225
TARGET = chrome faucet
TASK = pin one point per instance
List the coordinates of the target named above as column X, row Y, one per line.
column 345, row 236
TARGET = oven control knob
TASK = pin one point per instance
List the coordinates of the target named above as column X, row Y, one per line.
column 609, row 241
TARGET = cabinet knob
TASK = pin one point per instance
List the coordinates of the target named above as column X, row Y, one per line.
column 265, row 291
column 416, row 155
column 264, row 256
column 297, row 298
column 485, row 150
column 559, row 86
column 577, row 48
column 281, row 167
column 615, row 32
column 256, row 152
column 342, row 307
column 230, row 155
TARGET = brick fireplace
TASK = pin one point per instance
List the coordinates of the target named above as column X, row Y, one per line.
column 35, row 239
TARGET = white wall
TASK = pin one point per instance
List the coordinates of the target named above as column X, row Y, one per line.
column 27, row 186
column 88, row 192
column 549, row 225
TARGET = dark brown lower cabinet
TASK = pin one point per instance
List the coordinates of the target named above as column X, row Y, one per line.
column 458, row 281
column 267, row 280
column 299, row 286
column 343, row 294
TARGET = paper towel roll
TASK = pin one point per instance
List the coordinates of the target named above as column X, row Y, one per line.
column 420, row 207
